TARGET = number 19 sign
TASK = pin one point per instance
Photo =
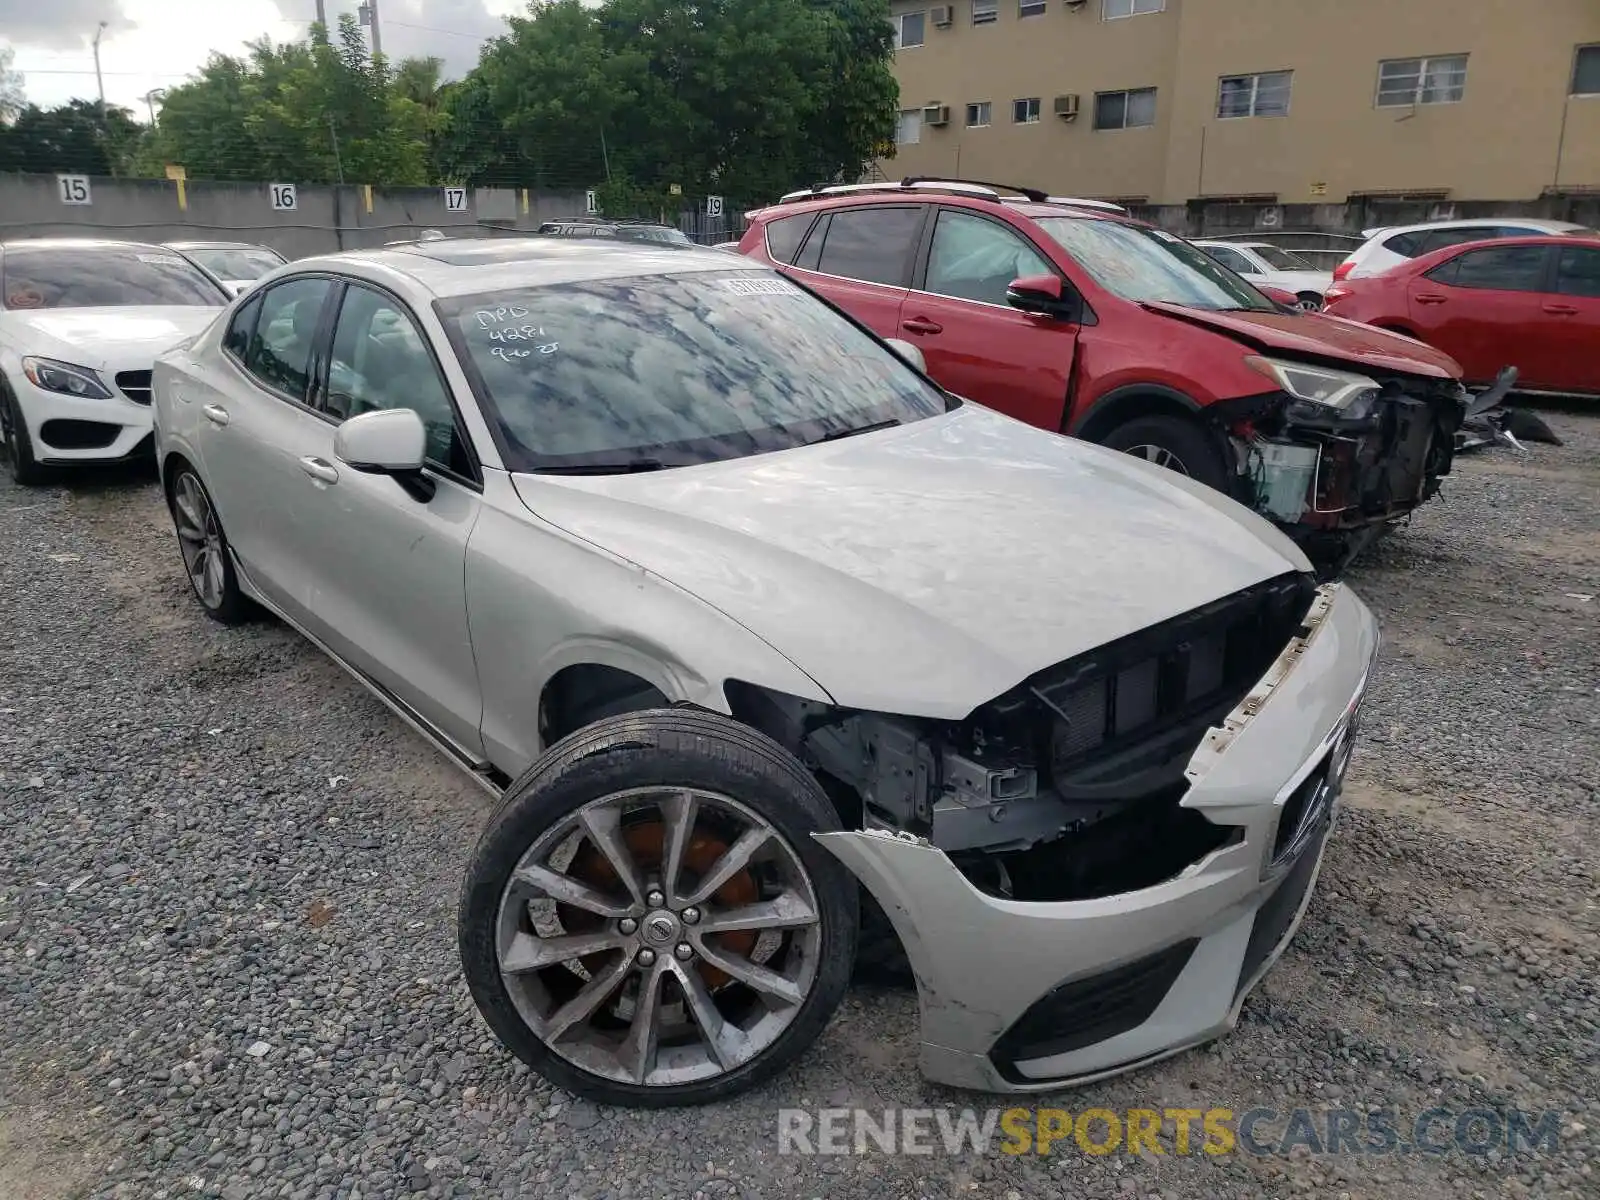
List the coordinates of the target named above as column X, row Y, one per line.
column 283, row 197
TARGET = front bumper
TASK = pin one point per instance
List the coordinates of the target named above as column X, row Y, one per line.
column 70, row 429
column 1021, row 996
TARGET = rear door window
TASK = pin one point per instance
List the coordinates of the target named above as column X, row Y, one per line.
column 1403, row 244
column 873, row 244
column 1232, row 259
column 1503, row 268
column 279, row 355
column 1439, row 239
column 811, row 254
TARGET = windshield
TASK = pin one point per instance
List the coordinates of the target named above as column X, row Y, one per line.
column 664, row 371
column 655, row 233
column 57, row 277
column 236, row 262
column 1140, row 264
column 1281, row 260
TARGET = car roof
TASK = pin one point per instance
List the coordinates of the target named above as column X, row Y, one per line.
column 216, row 246
column 1540, row 223
column 842, row 198
column 65, row 243
column 470, row 266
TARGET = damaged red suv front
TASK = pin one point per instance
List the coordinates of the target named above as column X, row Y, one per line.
column 1087, row 322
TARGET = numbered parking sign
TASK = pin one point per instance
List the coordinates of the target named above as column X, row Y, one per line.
column 713, row 206
column 455, row 199
column 283, row 197
column 591, row 203
column 74, row 189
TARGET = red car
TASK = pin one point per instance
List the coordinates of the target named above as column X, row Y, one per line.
column 1085, row 321
column 1528, row 302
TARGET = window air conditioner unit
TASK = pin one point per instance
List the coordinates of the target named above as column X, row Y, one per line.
column 942, row 15
column 936, row 114
column 1067, row 107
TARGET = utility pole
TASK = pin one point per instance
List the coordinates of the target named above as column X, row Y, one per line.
column 322, row 13
column 155, row 94
column 368, row 15
column 98, row 78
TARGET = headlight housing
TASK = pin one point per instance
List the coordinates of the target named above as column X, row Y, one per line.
column 1343, row 390
column 65, row 379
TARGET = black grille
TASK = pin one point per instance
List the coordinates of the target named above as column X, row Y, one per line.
column 66, row 434
column 1306, row 802
column 135, row 385
column 1158, row 682
column 1086, row 1011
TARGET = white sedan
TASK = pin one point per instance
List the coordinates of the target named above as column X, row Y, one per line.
column 81, row 323
column 236, row 266
column 1272, row 266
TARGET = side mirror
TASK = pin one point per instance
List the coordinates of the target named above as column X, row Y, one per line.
column 908, row 352
column 391, row 441
column 388, row 442
column 1040, row 294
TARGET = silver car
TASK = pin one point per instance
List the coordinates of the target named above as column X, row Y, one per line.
column 763, row 637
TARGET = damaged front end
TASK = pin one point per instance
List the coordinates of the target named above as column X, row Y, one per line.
column 1092, row 870
column 1333, row 456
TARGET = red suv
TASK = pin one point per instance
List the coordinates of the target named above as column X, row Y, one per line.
column 1082, row 320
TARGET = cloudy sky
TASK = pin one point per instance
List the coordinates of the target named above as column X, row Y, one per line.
column 156, row 43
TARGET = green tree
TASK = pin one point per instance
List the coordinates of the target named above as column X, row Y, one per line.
column 76, row 138
column 316, row 111
column 740, row 97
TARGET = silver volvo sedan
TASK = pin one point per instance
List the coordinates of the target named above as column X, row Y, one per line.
column 770, row 645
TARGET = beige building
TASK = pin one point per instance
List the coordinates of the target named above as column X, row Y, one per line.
column 1292, row 101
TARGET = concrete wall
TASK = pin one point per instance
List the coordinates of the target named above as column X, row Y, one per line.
column 1515, row 134
column 324, row 219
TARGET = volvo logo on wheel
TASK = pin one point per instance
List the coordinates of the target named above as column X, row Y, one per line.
column 661, row 929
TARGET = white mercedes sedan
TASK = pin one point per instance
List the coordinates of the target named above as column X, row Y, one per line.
column 741, row 615
column 81, row 323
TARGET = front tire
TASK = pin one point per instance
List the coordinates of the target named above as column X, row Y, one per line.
column 25, row 469
column 207, row 559
column 1175, row 443
column 647, row 920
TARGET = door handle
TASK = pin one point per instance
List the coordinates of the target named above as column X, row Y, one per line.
column 1431, row 298
column 320, row 469
column 1561, row 310
column 921, row 325
column 216, row 414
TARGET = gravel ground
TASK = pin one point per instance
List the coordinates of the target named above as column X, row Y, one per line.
column 227, row 884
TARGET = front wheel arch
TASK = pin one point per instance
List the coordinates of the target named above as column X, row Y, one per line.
column 1128, row 403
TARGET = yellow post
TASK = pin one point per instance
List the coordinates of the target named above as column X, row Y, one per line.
column 178, row 176
column 366, row 194
column 524, row 201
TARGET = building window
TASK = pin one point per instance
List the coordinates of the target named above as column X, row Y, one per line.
column 1110, row 10
column 985, row 12
column 910, row 30
column 978, row 115
column 1403, row 82
column 1265, row 95
column 1125, row 110
column 1586, row 72
column 1025, row 112
column 1030, row 8
column 908, row 129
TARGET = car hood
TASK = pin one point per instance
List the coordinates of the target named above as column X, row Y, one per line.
column 926, row 569
column 1310, row 335
column 106, row 337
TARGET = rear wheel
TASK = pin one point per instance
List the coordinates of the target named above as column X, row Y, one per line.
column 1175, row 443
column 25, row 470
column 647, row 920
column 1308, row 301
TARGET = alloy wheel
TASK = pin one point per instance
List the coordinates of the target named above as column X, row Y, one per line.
column 199, row 538
column 1160, row 456
column 659, row 936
